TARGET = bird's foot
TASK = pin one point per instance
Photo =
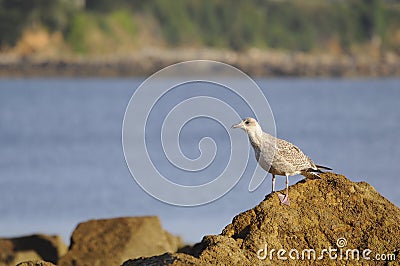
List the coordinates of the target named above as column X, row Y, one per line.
column 284, row 199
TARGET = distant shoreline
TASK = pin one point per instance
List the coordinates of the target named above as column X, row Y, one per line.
column 254, row 63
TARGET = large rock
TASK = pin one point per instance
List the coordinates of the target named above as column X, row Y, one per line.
column 33, row 247
column 112, row 241
column 332, row 216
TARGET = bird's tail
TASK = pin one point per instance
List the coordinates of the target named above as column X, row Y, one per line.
column 311, row 173
column 319, row 169
column 323, row 167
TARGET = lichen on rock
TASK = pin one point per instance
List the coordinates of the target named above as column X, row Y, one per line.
column 327, row 214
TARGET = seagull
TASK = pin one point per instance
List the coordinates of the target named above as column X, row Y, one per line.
column 278, row 156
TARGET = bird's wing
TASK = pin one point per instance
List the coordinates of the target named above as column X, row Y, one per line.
column 293, row 155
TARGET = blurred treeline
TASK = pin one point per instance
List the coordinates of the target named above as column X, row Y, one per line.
column 99, row 26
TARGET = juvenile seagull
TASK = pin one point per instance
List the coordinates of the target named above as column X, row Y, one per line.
column 278, row 156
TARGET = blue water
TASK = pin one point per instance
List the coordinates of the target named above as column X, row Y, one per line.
column 61, row 158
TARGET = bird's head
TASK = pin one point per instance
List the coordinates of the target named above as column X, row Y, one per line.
column 248, row 124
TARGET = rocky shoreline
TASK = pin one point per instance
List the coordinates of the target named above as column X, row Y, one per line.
column 95, row 242
column 253, row 62
column 334, row 220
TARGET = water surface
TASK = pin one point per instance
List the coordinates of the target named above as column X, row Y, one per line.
column 61, row 159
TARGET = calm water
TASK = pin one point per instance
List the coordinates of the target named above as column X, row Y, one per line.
column 61, row 159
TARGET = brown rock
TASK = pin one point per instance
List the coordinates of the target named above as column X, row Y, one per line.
column 34, row 247
column 327, row 213
column 112, row 241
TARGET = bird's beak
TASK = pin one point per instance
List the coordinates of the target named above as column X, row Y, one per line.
column 240, row 125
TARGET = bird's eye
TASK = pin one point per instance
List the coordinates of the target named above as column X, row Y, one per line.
column 247, row 122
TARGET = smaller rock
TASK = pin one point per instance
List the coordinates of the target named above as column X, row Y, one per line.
column 30, row 248
column 113, row 241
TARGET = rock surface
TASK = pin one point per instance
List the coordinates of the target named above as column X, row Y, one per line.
column 345, row 218
column 33, row 247
column 112, row 241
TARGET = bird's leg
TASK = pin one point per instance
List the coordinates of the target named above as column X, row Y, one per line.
column 273, row 183
column 285, row 198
